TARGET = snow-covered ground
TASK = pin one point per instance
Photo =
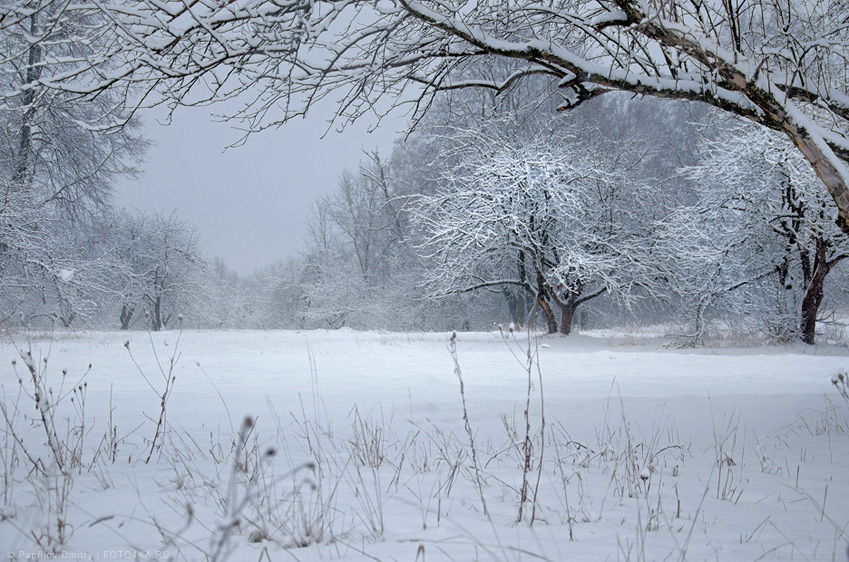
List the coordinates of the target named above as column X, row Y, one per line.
column 358, row 449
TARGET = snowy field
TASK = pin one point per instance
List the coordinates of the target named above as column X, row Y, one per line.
column 358, row 449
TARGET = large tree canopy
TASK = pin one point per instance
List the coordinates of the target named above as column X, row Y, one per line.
column 781, row 64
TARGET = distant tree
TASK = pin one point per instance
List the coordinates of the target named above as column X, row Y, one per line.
column 556, row 217
column 52, row 270
column 357, row 253
column 162, row 270
column 227, row 297
column 280, row 290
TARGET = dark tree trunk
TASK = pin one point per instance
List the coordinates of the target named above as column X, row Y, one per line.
column 522, row 297
column 813, row 295
column 550, row 320
column 516, row 304
column 543, row 293
column 567, row 316
column 126, row 316
column 810, row 308
column 21, row 171
column 156, row 321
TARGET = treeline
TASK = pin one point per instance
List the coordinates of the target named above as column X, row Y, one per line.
column 498, row 209
column 495, row 209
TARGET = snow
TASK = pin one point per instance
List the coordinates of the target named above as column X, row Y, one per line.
column 730, row 454
column 608, row 18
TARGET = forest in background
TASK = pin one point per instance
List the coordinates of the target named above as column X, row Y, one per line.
column 532, row 188
column 495, row 209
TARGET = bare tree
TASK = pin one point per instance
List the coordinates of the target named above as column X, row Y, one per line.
column 353, row 270
column 51, row 143
column 52, row 271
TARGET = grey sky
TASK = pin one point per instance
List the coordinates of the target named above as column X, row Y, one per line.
column 248, row 203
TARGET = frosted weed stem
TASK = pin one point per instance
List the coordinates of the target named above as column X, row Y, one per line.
column 169, row 378
column 452, row 349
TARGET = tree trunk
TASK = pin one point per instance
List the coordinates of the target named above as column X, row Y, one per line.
column 156, row 321
column 810, row 308
column 550, row 320
column 813, row 296
column 567, row 316
column 516, row 305
column 21, row 171
column 126, row 316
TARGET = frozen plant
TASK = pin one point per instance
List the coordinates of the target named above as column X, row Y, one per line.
column 167, row 389
column 840, row 383
column 50, row 471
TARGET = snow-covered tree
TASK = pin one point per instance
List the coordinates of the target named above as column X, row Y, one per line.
column 52, row 270
column 780, row 64
column 56, row 169
column 160, row 270
column 52, row 146
column 760, row 241
column 353, row 251
column 555, row 217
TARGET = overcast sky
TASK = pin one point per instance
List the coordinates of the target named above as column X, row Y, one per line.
column 247, row 203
